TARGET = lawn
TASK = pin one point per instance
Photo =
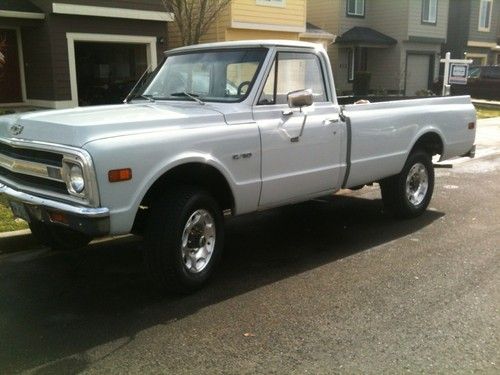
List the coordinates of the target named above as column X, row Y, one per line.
column 7, row 221
column 483, row 112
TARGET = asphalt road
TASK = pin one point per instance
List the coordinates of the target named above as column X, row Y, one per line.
column 330, row 286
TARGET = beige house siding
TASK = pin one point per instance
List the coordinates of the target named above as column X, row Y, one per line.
column 417, row 28
column 390, row 17
column 324, row 14
column 293, row 14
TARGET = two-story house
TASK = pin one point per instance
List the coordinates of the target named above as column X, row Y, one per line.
column 398, row 42
column 261, row 19
column 64, row 53
column 475, row 31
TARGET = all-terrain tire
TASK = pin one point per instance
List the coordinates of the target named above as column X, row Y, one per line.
column 182, row 220
column 408, row 194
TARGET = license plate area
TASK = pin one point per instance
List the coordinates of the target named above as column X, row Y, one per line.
column 19, row 211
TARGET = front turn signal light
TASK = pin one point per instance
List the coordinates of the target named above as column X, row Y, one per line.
column 117, row 175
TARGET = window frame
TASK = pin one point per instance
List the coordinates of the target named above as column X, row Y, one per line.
column 355, row 15
column 275, row 67
column 428, row 21
column 479, row 26
column 272, row 3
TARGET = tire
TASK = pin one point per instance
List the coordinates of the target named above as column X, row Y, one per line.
column 58, row 238
column 408, row 194
column 184, row 239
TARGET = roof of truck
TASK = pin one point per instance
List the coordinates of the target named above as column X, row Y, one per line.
column 247, row 43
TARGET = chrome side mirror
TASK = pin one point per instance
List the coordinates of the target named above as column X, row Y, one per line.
column 300, row 98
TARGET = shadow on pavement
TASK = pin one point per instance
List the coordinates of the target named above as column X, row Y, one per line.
column 54, row 305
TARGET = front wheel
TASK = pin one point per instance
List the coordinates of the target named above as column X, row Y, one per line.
column 409, row 193
column 184, row 239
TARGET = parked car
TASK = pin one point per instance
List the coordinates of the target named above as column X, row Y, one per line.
column 483, row 82
column 179, row 153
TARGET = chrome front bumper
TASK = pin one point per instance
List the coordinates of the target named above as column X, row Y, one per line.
column 91, row 221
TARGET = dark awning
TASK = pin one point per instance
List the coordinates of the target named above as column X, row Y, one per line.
column 20, row 9
column 365, row 36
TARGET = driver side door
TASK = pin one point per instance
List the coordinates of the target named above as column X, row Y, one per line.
column 296, row 166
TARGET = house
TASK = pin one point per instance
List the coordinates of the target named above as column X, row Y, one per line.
column 475, row 31
column 398, row 42
column 261, row 19
column 64, row 53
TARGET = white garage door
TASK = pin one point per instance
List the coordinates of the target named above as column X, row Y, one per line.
column 417, row 73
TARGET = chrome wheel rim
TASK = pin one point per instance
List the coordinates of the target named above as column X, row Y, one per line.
column 198, row 241
column 417, row 184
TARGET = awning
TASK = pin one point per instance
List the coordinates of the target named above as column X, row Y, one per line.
column 20, row 9
column 365, row 36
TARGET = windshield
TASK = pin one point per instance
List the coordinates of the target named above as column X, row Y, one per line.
column 209, row 76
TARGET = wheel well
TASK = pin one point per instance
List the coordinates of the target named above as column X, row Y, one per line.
column 195, row 174
column 429, row 142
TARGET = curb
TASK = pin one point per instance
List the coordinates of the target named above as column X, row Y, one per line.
column 19, row 240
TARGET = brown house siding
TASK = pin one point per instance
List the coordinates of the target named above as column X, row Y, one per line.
column 62, row 24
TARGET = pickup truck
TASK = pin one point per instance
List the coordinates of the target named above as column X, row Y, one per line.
column 219, row 129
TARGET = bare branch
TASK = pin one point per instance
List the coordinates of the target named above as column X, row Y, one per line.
column 194, row 17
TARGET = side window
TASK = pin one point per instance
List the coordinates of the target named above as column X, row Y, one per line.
column 295, row 71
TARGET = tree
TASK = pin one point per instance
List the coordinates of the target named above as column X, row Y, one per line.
column 194, row 17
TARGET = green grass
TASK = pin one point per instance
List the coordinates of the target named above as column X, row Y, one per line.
column 7, row 221
column 483, row 112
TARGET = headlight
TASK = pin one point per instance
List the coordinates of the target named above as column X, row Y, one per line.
column 74, row 177
column 76, row 180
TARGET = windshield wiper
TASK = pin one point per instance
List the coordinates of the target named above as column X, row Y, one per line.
column 148, row 97
column 190, row 96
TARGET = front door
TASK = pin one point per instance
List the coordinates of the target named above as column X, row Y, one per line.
column 296, row 165
column 417, row 73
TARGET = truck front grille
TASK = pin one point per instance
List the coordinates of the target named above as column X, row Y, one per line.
column 29, row 169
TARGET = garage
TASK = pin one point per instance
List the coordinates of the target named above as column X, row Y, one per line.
column 106, row 72
column 418, row 73
column 10, row 72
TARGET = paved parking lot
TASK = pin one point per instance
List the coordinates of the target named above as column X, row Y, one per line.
column 329, row 286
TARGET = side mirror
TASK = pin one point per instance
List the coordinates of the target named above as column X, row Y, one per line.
column 300, row 98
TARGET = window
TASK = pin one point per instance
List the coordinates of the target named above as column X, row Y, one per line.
column 213, row 76
column 294, row 71
column 429, row 11
column 350, row 65
column 485, row 15
column 272, row 3
column 356, row 8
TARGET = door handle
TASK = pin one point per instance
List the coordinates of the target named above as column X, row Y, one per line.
column 330, row 121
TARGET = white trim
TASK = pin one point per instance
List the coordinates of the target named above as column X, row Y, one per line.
column 272, row 3
column 149, row 41
column 482, row 56
column 4, row 105
column 55, row 104
column 472, row 43
column 28, row 15
column 20, row 57
column 86, row 10
column 267, row 27
column 479, row 27
column 324, row 35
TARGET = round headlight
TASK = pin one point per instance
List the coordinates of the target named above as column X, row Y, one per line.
column 76, row 180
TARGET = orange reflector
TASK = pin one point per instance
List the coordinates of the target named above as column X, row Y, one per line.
column 472, row 125
column 58, row 217
column 118, row 175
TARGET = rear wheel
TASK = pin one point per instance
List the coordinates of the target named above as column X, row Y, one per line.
column 184, row 239
column 58, row 238
column 409, row 193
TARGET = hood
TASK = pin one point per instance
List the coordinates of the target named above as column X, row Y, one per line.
column 75, row 127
